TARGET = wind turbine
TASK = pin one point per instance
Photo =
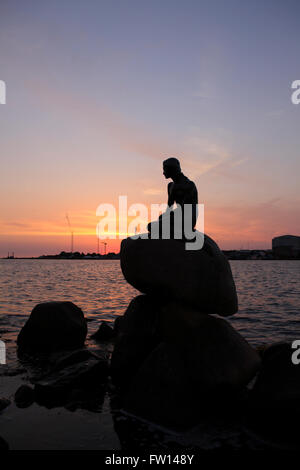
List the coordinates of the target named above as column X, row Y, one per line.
column 71, row 231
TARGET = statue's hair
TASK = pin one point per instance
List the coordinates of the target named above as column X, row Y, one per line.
column 173, row 162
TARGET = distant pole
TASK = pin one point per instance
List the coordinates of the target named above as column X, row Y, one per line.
column 72, row 233
column 98, row 249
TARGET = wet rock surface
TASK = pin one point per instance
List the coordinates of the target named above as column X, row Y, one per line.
column 73, row 378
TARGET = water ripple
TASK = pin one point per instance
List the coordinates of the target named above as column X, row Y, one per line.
column 268, row 291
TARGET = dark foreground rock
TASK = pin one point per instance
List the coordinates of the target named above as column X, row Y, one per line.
column 190, row 366
column 137, row 335
column 274, row 405
column 59, row 361
column 278, row 383
column 72, row 380
column 200, row 278
column 104, row 333
column 53, row 326
column 24, row 396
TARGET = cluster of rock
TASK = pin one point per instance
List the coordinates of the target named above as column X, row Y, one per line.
column 174, row 362
column 70, row 375
column 171, row 358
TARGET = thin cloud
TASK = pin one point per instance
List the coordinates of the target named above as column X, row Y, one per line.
column 153, row 191
column 198, row 155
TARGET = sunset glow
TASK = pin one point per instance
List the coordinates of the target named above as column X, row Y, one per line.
column 97, row 97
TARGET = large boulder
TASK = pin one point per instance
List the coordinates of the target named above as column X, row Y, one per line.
column 274, row 405
column 201, row 278
column 53, row 326
column 137, row 336
column 200, row 364
column 215, row 353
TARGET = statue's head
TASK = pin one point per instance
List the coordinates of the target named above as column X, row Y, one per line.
column 171, row 167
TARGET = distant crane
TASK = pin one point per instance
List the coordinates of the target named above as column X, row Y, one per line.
column 105, row 244
column 72, row 233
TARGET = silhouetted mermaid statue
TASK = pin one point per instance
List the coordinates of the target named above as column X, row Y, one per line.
column 181, row 221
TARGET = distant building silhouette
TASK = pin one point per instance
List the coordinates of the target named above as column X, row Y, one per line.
column 286, row 246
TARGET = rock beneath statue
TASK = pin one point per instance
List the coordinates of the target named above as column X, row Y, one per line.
column 201, row 363
column 53, row 326
column 137, row 335
column 201, row 278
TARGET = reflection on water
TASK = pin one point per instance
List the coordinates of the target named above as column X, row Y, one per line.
column 98, row 287
column 268, row 291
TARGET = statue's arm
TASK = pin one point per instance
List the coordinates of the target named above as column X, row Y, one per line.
column 170, row 195
column 190, row 193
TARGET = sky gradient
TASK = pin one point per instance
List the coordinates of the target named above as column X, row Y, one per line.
column 100, row 92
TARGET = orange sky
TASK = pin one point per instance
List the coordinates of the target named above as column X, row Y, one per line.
column 232, row 227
